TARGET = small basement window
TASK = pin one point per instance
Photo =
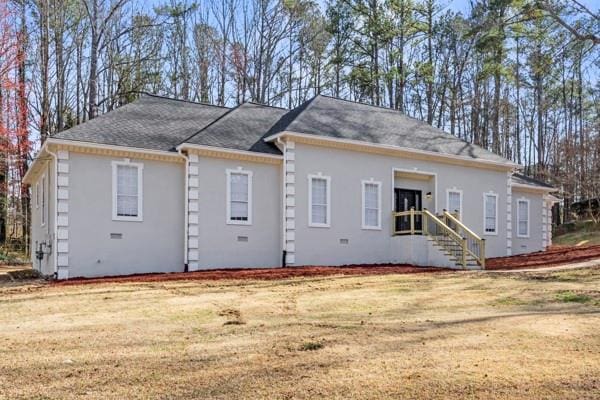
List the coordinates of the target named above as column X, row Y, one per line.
column 127, row 191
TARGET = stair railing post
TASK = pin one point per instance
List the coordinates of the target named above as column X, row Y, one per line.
column 412, row 220
column 464, row 252
column 482, row 253
column 424, row 222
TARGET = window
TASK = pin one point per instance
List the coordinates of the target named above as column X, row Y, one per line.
column 239, row 197
column 454, row 201
column 127, row 191
column 490, row 213
column 43, row 199
column 371, row 205
column 319, row 211
column 523, row 218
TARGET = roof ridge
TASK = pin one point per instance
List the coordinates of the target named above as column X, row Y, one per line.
column 181, row 100
column 263, row 105
column 229, row 111
column 364, row 104
column 294, row 113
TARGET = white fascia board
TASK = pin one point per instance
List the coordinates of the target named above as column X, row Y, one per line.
column 224, row 150
column 533, row 188
column 441, row 156
column 111, row 147
column 32, row 172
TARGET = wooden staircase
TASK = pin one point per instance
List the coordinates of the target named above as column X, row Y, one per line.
column 448, row 234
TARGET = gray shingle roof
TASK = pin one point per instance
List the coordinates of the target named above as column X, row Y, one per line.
column 242, row 128
column 342, row 119
column 159, row 123
column 526, row 180
column 150, row 122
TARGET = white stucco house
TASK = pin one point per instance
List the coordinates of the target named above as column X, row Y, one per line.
column 162, row 185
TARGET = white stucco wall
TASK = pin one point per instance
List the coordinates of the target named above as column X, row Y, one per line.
column 45, row 233
column 223, row 245
column 156, row 244
column 321, row 246
column 152, row 245
column 535, row 241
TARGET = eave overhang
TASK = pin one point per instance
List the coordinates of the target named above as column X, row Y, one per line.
column 390, row 150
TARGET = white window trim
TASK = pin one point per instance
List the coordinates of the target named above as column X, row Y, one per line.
column 523, row 200
column 241, row 171
column 140, row 168
column 43, row 214
column 460, row 193
column 494, row 233
column 328, row 188
column 363, row 209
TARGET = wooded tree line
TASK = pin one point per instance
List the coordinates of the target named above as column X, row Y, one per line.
column 519, row 77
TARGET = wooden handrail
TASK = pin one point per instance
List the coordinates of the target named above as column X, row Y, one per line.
column 443, row 222
column 463, row 226
column 480, row 242
column 445, row 227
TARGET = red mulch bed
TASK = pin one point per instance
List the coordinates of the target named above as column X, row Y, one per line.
column 259, row 273
column 554, row 256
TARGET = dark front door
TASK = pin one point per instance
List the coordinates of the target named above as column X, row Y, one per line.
column 404, row 200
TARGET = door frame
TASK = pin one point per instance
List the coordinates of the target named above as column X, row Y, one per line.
column 413, row 191
column 415, row 172
column 417, row 196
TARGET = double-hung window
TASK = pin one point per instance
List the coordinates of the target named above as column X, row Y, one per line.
column 454, row 201
column 371, row 205
column 127, row 191
column 239, row 197
column 490, row 213
column 523, row 218
column 319, row 196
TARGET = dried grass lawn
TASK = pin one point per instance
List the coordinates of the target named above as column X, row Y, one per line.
column 446, row 335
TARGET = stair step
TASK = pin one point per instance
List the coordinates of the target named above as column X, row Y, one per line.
column 457, row 248
column 457, row 259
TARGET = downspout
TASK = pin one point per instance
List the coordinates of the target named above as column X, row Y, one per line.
column 55, row 238
column 186, row 215
column 283, row 208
